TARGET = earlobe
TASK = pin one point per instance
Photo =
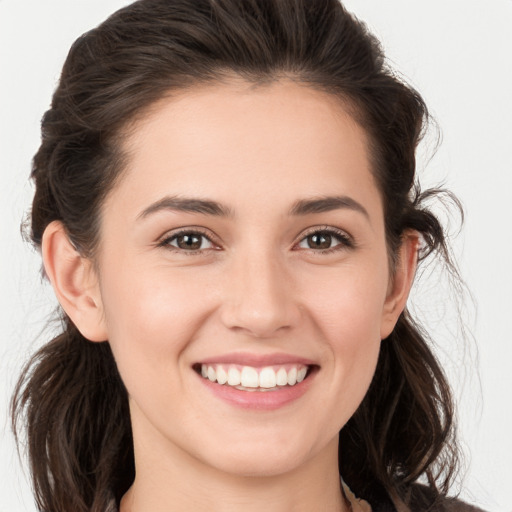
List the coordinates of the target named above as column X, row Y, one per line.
column 401, row 282
column 74, row 282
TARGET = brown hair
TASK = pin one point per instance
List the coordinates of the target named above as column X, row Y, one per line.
column 70, row 398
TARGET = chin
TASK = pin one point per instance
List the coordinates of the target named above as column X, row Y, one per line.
column 265, row 465
column 268, row 456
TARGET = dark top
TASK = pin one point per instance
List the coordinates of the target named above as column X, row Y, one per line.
column 422, row 499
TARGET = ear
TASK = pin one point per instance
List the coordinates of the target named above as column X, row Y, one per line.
column 400, row 282
column 75, row 282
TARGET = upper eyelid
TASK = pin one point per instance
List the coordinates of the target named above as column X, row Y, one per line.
column 186, row 230
column 325, row 229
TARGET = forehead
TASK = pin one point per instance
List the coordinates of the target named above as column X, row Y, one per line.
column 236, row 141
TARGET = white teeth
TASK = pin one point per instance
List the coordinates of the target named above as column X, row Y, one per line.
column 233, row 377
column 268, row 378
column 281, row 377
column 222, row 376
column 248, row 377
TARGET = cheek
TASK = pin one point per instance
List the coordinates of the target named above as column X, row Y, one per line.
column 347, row 313
column 151, row 316
column 348, row 304
column 352, row 331
column 151, row 319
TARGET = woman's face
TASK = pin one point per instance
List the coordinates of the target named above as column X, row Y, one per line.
column 246, row 242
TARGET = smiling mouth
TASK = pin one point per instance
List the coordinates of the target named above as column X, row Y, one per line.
column 249, row 378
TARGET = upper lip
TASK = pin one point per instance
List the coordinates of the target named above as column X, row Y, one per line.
column 257, row 360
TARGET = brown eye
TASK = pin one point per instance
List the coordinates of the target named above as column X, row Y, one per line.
column 319, row 241
column 189, row 241
column 326, row 240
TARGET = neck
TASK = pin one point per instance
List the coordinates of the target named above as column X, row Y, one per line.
column 170, row 481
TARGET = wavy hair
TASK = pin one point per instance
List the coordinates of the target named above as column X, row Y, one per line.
column 70, row 401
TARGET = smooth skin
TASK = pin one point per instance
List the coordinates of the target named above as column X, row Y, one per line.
column 252, row 273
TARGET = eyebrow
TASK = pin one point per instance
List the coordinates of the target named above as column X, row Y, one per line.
column 327, row 204
column 208, row 207
column 186, row 204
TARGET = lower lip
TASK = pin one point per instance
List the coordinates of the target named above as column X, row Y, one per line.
column 259, row 400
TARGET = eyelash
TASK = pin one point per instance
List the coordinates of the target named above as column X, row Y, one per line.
column 345, row 240
column 166, row 242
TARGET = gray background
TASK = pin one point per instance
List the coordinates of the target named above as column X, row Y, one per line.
column 458, row 54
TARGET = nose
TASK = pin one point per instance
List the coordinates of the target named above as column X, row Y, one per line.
column 259, row 296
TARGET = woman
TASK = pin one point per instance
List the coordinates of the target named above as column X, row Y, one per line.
column 227, row 211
